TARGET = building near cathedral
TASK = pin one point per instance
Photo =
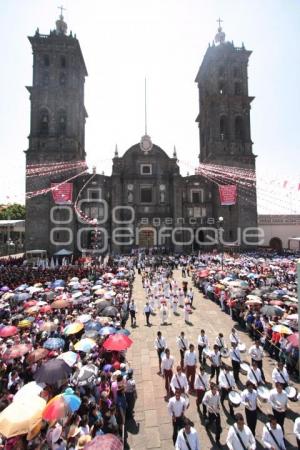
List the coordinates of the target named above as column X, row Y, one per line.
column 145, row 202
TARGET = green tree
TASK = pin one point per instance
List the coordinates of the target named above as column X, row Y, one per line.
column 14, row 211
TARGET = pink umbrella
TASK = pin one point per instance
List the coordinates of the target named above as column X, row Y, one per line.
column 294, row 339
column 8, row 331
column 105, row 442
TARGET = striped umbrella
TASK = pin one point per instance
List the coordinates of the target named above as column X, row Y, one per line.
column 73, row 328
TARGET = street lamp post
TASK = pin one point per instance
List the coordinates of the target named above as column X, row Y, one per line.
column 219, row 225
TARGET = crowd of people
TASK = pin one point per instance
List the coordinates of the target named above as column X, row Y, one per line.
column 65, row 379
column 260, row 295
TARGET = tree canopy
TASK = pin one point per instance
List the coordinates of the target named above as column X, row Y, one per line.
column 14, row 211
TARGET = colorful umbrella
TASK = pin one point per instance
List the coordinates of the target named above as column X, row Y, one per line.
column 117, row 342
column 60, row 406
column 17, row 351
column 26, row 323
column 37, row 355
column 105, row 442
column 54, row 343
column 270, row 310
column 85, row 345
column 294, row 339
column 60, row 304
column 54, row 371
column 73, row 328
column 8, row 331
column 86, row 375
column 95, row 326
column 105, row 331
column 282, row 329
column 20, row 418
column 69, row 357
column 48, row 327
column 28, row 391
column 45, row 309
column 110, row 311
column 123, row 331
column 91, row 334
column 84, row 318
column 32, row 310
column 276, row 302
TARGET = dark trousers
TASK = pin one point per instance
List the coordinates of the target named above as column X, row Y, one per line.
column 202, row 359
column 259, row 365
column 190, row 374
column 236, row 370
column 215, row 370
column 182, row 358
column 200, row 395
column 168, row 376
column 215, row 418
column 147, row 314
column 251, row 417
column 224, row 395
column 280, row 416
column 132, row 318
column 298, row 442
column 177, row 425
column 159, row 352
column 130, row 400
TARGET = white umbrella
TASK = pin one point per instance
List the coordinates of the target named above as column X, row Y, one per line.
column 29, row 390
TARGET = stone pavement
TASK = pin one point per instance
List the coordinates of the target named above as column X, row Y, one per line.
column 152, row 428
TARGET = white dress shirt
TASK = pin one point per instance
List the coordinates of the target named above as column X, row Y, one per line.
column 249, row 399
column 160, row 343
column 255, row 379
column 167, row 363
column 226, row 380
column 202, row 341
column 278, row 401
column 269, row 441
column 179, row 382
column 246, row 436
column 176, row 407
column 220, row 342
column 201, row 381
column 233, row 337
column 192, row 439
column 182, row 343
column 216, row 358
column 297, row 428
column 211, row 401
column 190, row 358
column 280, row 376
column 235, row 354
column 256, row 353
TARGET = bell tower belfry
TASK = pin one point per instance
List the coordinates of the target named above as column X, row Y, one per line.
column 224, row 126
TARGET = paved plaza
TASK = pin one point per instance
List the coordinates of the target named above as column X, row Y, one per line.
column 153, row 428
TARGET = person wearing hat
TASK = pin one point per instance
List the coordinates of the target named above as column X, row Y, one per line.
column 130, row 393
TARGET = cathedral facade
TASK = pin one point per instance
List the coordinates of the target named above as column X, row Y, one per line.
column 146, row 202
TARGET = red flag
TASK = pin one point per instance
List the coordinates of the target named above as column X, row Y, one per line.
column 228, row 194
column 62, row 193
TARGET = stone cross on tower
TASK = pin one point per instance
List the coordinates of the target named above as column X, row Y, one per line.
column 61, row 11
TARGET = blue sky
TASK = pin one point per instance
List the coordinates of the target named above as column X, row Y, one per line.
column 122, row 41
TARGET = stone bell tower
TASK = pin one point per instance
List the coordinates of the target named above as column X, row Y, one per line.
column 57, row 121
column 224, row 125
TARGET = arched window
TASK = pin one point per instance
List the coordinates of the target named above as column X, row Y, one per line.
column 223, row 128
column 63, row 62
column 62, row 123
column 46, row 60
column 239, row 128
column 237, row 88
column 44, row 122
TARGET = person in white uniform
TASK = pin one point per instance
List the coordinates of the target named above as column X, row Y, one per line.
column 187, row 438
column 272, row 435
column 280, row 375
column 240, row 436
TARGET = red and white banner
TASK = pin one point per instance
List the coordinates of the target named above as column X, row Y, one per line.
column 228, row 194
column 62, row 193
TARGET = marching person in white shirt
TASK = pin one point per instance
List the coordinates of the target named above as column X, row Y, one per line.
column 167, row 363
column 183, row 345
column 176, row 408
column 212, row 402
column 190, row 362
column 233, row 337
column 254, row 375
column 215, row 357
column 240, row 436
column 257, row 353
column 280, row 375
column 279, row 399
column 249, row 400
column 202, row 344
column 179, row 381
column 235, row 356
column 226, row 383
column 160, row 345
column 187, row 438
column 297, row 430
column 220, row 341
column 201, row 386
column 272, row 436
column 147, row 312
